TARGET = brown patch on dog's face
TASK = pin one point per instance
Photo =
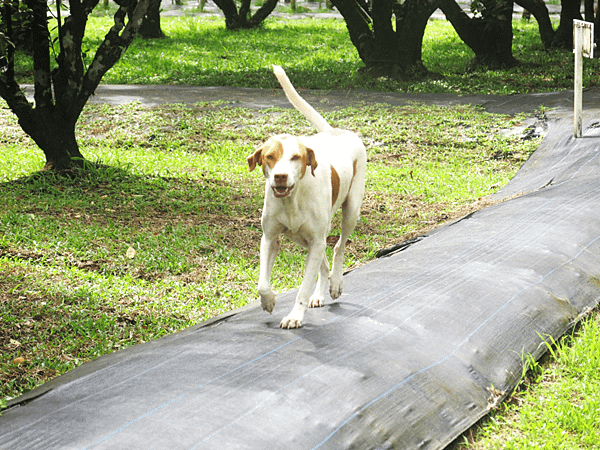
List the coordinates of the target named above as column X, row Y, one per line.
column 335, row 185
column 270, row 153
column 273, row 152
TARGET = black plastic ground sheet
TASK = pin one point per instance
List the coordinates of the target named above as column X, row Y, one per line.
column 421, row 345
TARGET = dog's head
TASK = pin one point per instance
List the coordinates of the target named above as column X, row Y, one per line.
column 284, row 160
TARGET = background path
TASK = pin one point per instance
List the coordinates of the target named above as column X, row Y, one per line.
column 152, row 95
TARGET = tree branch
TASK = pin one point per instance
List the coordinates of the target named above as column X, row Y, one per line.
column 7, row 47
column 116, row 41
column 67, row 77
column 41, row 55
column 540, row 11
column 16, row 99
column 244, row 10
column 263, row 12
column 359, row 27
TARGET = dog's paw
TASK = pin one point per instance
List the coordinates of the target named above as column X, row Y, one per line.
column 293, row 319
column 290, row 322
column 267, row 302
column 316, row 302
column 335, row 287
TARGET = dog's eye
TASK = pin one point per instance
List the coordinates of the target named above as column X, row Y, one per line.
column 295, row 157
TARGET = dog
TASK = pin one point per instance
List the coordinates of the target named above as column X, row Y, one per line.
column 308, row 178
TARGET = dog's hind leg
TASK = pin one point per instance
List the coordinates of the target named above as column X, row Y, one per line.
column 350, row 213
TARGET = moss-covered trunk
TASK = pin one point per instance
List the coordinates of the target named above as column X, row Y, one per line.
column 388, row 34
column 489, row 35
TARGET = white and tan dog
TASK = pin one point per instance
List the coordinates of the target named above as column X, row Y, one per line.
column 308, row 179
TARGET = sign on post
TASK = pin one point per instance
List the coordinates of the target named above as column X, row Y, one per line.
column 583, row 45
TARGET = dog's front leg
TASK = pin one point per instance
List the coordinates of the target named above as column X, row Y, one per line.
column 317, row 300
column 269, row 248
column 316, row 254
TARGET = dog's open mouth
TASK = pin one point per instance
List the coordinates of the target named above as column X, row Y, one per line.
column 282, row 191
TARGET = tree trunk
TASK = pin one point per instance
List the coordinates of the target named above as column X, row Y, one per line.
column 235, row 20
column 489, row 36
column 597, row 31
column 384, row 39
column 386, row 49
column 540, row 12
column 56, row 139
column 150, row 27
column 229, row 9
column 411, row 21
column 570, row 10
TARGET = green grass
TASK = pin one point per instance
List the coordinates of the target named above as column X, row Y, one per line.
column 559, row 407
column 163, row 230
column 317, row 53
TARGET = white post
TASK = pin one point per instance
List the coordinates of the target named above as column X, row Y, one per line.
column 583, row 45
column 578, row 94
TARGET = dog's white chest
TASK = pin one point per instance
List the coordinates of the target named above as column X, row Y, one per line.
column 292, row 221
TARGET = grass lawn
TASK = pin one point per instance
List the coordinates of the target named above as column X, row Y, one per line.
column 324, row 58
column 318, row 54
column 163, row 229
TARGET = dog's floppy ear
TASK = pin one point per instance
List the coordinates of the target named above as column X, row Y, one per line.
column 255, row 158
column 311, row 160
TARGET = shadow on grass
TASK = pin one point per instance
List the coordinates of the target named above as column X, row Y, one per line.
column 103, row 190
column 90, row 218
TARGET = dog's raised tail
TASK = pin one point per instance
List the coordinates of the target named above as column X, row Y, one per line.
column 299, row 103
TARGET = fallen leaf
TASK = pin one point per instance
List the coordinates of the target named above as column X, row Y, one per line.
column 19, row 360
column 130, row 253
